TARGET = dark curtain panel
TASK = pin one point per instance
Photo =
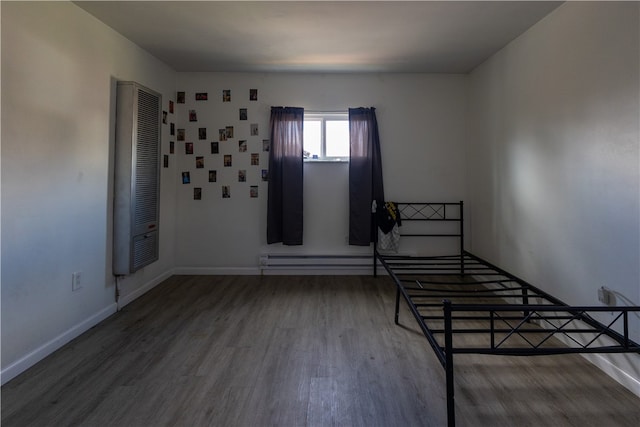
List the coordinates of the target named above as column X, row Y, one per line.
column 365, row 174
column 284, row 206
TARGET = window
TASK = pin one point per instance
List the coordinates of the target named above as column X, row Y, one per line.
column 326, row 136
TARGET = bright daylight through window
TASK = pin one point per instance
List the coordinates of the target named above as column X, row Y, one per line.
column 326, row 136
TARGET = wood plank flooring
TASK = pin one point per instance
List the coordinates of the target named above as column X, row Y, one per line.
column 293, row 351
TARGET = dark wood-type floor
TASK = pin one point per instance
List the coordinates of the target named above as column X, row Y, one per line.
column 293, row 351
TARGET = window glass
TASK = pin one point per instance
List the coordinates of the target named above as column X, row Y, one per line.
column 326, row 136
column 312, row 138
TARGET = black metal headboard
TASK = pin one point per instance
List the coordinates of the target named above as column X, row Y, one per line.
column 429, row 211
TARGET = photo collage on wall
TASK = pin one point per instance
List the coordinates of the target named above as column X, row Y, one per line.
column 166, row 117
column 234, row 147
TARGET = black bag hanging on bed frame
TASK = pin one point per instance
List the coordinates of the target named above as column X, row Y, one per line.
column 387, row 216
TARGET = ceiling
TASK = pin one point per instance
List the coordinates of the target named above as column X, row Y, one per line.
column 321, row 36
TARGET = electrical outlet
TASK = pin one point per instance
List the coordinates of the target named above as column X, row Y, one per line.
column 76, row 283
column 604, row 296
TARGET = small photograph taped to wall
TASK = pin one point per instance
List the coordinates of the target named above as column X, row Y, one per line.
column 266, row 144
column 193, row 116
column 242, row 175
column 171, row 107
column 242, row 145
column 180, row 97
column 265, row 174
column 215, row 147
column 255, row 159
column 188, row 148
column 181, row 134
column 172, row 147
column 253, row 191
column 226, row 192
column 202, row 133
column 243, row 114
column 229, row 130
column 165, row 160
column 186, row 177
column 227, row 160
column 222, row 134
column 254, row 129
column 164, row 117
column 197, row 193
column 202, row 96
column 213, row 176
column 199, row 162
column 253, row 94
column 226, row 95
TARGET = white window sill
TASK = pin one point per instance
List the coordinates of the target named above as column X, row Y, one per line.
column 326, row 160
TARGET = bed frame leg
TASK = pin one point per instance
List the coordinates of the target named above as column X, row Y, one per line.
column 448, row 368
column 375, row 256
column 375, row 264
column 397, row 314
column 462, row 238
column 525, row 301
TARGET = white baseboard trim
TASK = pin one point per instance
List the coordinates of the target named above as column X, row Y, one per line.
column 606, row 365
column 27, row 361
column 126, row 299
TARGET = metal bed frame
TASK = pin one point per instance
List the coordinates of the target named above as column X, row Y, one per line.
column 466, row 305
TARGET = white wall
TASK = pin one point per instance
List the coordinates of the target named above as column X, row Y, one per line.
column 546, row 157
column 59, row 67
column 421, row 119
column 554, row 156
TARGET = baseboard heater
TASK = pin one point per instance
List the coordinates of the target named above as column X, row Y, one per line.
column 361, row 264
